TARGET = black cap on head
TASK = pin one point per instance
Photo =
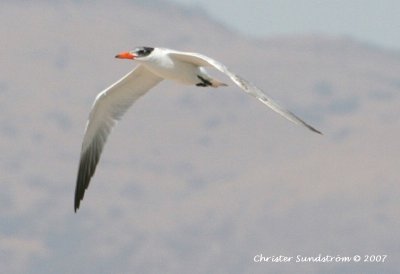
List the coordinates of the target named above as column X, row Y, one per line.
column 143, row 51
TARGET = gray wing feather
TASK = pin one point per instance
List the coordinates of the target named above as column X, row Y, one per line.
column 107, row 109
column 249, row 88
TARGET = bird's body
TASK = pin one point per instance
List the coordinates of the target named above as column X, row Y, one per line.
column 163, row 62
column 155, row 64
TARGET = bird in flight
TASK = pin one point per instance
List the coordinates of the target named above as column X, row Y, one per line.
column 155, row 65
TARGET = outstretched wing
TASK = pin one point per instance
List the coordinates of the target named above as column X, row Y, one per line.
column 249, row 88
column 108, row 107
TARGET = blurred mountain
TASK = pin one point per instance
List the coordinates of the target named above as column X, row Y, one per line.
column 193, row 180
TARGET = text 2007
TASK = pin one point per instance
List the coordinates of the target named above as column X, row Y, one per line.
column 375, row 258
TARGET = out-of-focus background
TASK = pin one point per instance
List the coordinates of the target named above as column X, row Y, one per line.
column 198, row 180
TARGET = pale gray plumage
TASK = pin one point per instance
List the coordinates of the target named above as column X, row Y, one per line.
column 248, row 87
column 109, row 107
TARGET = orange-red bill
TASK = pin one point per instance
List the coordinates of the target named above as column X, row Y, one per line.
column 125, row 55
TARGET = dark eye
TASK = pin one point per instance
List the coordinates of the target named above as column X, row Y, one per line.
column 143, row 51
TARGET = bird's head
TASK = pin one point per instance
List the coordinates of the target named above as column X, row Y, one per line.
column 137, row 53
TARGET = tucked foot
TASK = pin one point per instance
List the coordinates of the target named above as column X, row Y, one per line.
column 204, row 82
column 209, row 82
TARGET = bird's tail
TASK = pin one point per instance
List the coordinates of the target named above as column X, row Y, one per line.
column 216, row 83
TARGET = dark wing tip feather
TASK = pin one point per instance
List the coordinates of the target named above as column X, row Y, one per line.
column 313, row 129
column 87, row 167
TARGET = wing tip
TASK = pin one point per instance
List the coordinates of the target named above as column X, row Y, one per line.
column 86, row 170
column 315, row 130
column 77, row 203
column 78, row 198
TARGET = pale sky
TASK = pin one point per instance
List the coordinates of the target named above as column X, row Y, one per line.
column 372, row 21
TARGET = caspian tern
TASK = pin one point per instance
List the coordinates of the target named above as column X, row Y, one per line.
column 155, row 64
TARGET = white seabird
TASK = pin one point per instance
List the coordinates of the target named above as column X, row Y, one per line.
column 155, row 65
